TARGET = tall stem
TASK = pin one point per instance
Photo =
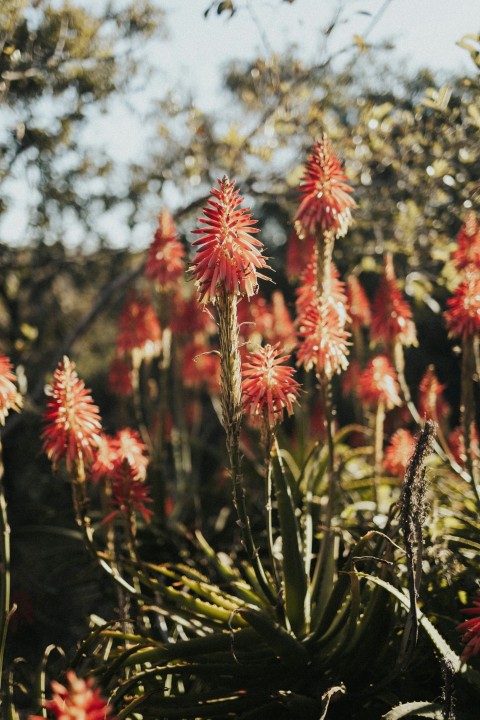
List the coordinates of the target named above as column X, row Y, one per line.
column 4, row 570
column 231, row 384
column 468, row 410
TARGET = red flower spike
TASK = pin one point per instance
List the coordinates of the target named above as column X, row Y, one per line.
column 391, row 314
column 378, row 384
column 457, row 443
column 112, row 451
column 431, row 404
column 228, row 256
column 72, row 420
column 325, row 204
column 357, row 303
column 139, row 329
column 165, row 260
column 78, row 700
column 398, row 453
column 129, row 446
column 129, row 494
column 463, row 314
column 471, row 629
column 119, row 378
column 323, row 339
column 10, row 398
column 467, row 253
column 268, row 386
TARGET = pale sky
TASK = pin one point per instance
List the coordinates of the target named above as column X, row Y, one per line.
column 424, row 32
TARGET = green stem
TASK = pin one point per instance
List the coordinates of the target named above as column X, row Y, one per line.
column 332, row 489
column 270, row 454
column 5, row 571
column 467, row 409
column 231, row 384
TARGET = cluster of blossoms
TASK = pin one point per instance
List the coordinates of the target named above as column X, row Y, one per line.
column 77, row 700
column 73, row 432
column 326, row 204
column 463, row 308
column 268, row 384
column 228, row 257
column 72, row 420
column 10, row 398
column 165, row 262
column 391, row 319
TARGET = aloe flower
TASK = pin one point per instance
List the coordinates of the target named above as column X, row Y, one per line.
column 463, row 313
column 268, row 384
column 471, row 629
column 467, row 253
column 398, row 452
column 228, row 257
column 391, row 314
column 325, row 204
column 378, row 384
column 129, row 493
column 77, row 700
column 431, row 404
column 165, row 259
column 139, row 329
column 357, row 302
column 10, row 398
column 72, row 420
column 126, row 445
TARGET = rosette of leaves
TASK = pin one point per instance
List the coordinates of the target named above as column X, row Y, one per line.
column 329, row 644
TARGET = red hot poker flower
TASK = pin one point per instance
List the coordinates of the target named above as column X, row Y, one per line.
column 78, row 700
column 391, row 314
column 463, row 313
column 357, row 303
column 326, row 204
column 228, row 256
column 112, row 451
column 398, row 452
column 323, row 339
column 431, row 404
column 468, row 249
column 139, row 329
column 72, row 420
column 268, row 386
column 10, row 398
column 165, row 259
column 378, row 384
column 471, row 630
column 129, row 493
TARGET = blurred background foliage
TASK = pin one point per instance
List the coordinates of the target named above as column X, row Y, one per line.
column 410, row 147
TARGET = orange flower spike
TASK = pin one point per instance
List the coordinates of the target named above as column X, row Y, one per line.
column 463, row 313
column 391, row 314
column 471, row 629
column 139, row 328
column 398, row 452
column 165, row 259
column 378, row 384
column 78, row 700
column 357, row 303
column 325, row 204
column 129, row 493
column 468, row 244
column 10, row 398
column 431, row 404
column 128, row 445
column 228, row 256
column 268, row 385
column 72, row 420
